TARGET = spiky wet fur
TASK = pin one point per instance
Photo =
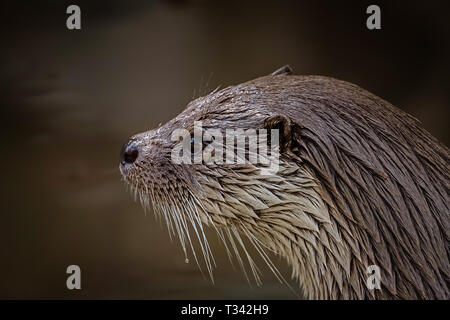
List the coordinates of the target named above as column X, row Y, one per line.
column 360, row 183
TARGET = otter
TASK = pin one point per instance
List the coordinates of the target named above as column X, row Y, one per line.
column 360, row 183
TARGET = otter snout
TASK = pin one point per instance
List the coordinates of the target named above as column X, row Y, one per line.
column 129, row 152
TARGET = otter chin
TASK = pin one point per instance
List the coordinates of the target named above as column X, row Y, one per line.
column 359, row 185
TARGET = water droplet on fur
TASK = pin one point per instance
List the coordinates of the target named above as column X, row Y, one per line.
column 187, row 260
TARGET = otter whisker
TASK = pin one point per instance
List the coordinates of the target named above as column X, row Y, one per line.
column 258, row 246
column 222, row 238
column 203, row 246
column 135, row 189
column 182, row 219
column 168, row 218
column 238, row 256
column 143, row 203
column 178, row 228
column 195, row 214
column 211, row 222
column 253, row 266
column 158, row 211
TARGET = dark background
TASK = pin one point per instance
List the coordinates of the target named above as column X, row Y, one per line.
column 69, row 99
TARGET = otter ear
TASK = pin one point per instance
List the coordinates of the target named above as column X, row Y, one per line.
column 284, row 126
column 286, row 70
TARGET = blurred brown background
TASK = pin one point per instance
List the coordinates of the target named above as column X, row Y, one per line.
column 69, row 99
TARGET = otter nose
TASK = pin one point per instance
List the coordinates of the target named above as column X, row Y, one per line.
column 129, row 152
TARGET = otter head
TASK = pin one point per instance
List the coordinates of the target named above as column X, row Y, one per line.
column 333, row 203
column 257, row 187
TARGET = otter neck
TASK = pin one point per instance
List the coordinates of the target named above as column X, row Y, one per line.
column 305, row 232
column 290, row 214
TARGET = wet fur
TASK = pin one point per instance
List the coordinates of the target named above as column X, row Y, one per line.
column 361, row 183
